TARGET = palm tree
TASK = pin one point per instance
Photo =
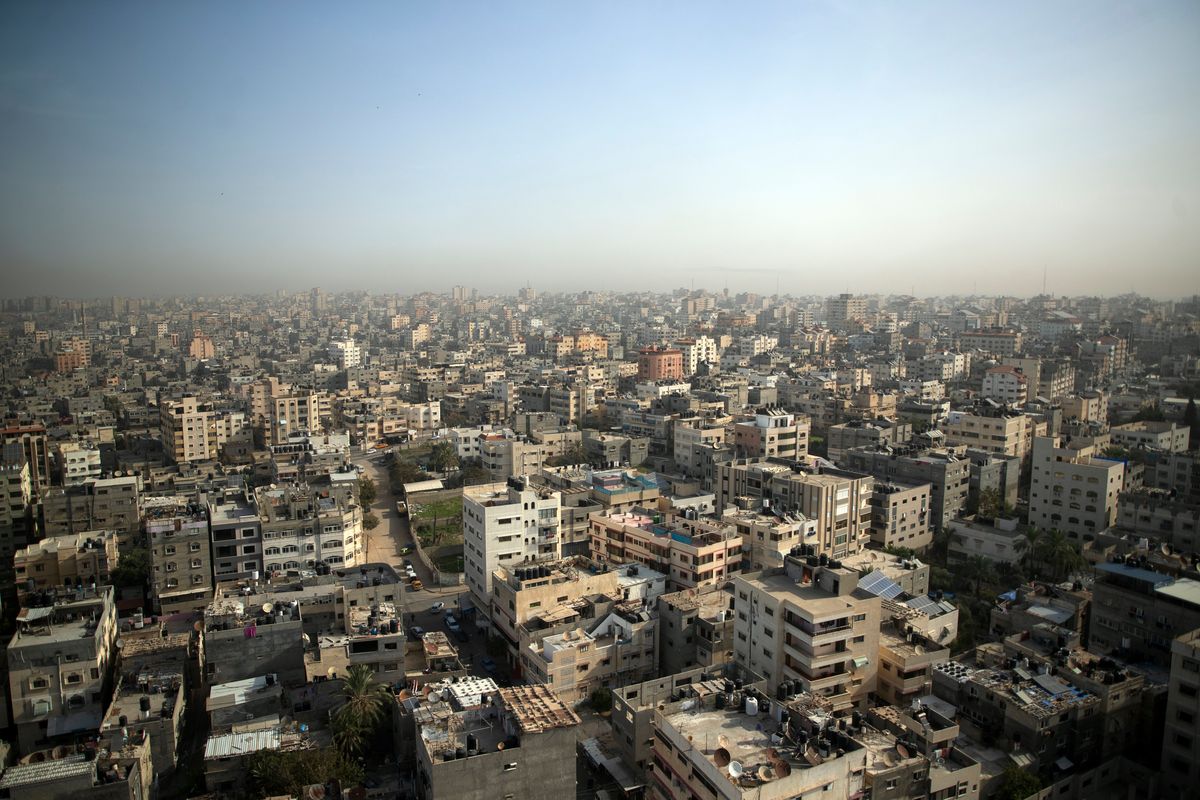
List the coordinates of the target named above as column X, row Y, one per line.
column 1062, row 555
column 1032, row 549
column 365, row 703
column 975, row 568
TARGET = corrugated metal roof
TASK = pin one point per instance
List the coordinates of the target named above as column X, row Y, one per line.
column 25, row 774
column 240, row 744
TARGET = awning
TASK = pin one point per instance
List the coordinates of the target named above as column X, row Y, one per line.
column 34, row 614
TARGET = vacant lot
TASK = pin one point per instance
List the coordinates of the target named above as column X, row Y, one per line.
column 438, row 522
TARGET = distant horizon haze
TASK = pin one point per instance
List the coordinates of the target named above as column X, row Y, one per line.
column 159, row 149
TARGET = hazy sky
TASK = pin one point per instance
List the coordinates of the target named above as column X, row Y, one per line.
column 161, row 147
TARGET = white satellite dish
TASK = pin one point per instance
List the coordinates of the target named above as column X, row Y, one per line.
column 267, row 608
column 736, row 769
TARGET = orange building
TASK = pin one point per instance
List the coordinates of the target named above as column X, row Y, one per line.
column 660, row 363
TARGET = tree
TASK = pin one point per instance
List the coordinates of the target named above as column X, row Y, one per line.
column 276, row 772
column 366, row 492
column 601, row 700
column 355, row 721
column 1030, row 548
column 990, row 503
column 1061, row 555
column 1149, row 414
column 443, row 458
column 975, row 568
column 1017, row 784
column 370, row 521
column 132, row 570
column 474, row 475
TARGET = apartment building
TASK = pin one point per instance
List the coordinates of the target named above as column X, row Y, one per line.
column 1138, row 613
column 79, row 559
column 768, row 539
column 296, row 410
column 1073, row 489
column 236, row 533
column 691, row 552
column 117, row 506
column 1157, row 515
column 60, row 663
column 906, row 660
column 620, row 648
column 660, row 364
column 192, row 430
column 507, row 525
column 1180, row 742
column 301, row 528
column 77, row 462
column 878, row 434
column 1006, row 433
column 696, row 351
column 706, row 746
column 505, row 457
column 695, row 629
column 34, row 446
column 810, row 624
column 900, row 515
column 346, row 353
column 691, row 438
column 1006, row 385
column 249, row 635
column 994, row 342
column 180, row 556
column 773, row 433
column 517, row 742
column 845, row 309
column 1171, row 437
column 16, row 519
column 946, row 472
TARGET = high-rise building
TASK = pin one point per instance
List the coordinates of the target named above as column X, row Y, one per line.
column 660, row 364
column 1073, row 489
column 506, row 525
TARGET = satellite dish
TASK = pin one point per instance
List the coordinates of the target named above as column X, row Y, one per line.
column 331, row 672
column 765, row 773
column 1165, row 549
column 722, row 757
column 902, row 750
column 918, row 650
column 736, row 770
column 723, row 741
column 268, row 608
column 197, row 626
column 120, row 643
column 782, row 768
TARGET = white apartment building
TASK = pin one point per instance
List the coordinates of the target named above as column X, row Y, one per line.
column 346, row 353
column 78, row 462
column 1169, row 437
column 1005, row 384
column 301, row 527
column 1073, row 489
column 701, row 349
column 506, row 525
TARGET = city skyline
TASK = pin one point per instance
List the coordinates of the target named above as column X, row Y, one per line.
column 949, row 149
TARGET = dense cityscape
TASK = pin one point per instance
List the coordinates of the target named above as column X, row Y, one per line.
column 604, row 544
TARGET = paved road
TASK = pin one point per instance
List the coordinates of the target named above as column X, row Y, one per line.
column 384, row 543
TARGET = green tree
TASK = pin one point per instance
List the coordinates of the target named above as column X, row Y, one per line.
column 355, row 721
column 990, row 504
column 474, row 475
column 132, row 570
column 1031, row 548
column 370, row 521
column 975, row 568
column 1017, row 784
column 1149, row 414
column 601, row 700
column 1061, row 555
column 366, row 492
column 442, row 457
column 275, row 772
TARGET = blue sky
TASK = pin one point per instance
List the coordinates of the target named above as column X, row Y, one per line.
column 154, row 148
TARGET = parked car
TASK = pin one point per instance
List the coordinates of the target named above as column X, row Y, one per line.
column 436, row 607
column 416, row 585
column 450, row 616
column 415, row 632
column 488, row 663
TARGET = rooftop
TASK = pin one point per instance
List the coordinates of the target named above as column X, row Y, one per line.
column 537, row 708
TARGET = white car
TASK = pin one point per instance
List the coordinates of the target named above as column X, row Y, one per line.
column 436, row 607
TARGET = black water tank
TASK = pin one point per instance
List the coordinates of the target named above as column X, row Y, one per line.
column 144, row 703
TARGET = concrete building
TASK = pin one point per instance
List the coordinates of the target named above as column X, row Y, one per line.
column 995, row 342
column 1158, row 516
column 302, row 527
column 1169, row 436
column 1006, row 433
column 180, row 556
column 195, row 431
column 659, row 363
column 906, row 659
column 1006, row 385
column 1137, row 613
column 880, row 434
column 691, row 552
column 125, row 773
column 900, row 515
column 248, row 635
column 691, row 438
column 1073, row 489
column 695, row 629
column 519, row 742
column 346, row 353
column 696, row 351
column 809, row 624
column 71, row 560
column 507, row 525
column 947, row 473
column 772, row 433
column 148, row 702
column 1000, row 540
column 767, row 539
column 78, row 462
column 844, row 309
column 237, row 544
column 1180, row 743
column 117, row 506
column 60, row 663
column 33, row 443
